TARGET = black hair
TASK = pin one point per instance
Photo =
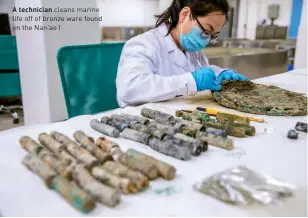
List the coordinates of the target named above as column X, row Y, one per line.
column 198, row 8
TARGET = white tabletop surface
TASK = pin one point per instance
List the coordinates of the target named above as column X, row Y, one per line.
column 22, row 193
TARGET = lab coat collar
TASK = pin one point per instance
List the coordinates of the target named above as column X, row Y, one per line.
column 178, row 57
column 171, row 46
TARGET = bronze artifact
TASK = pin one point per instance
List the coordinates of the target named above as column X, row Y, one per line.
column 102, row 193
column 253, row 98
column 292, row 134
column 165, row 170
column 302, row 127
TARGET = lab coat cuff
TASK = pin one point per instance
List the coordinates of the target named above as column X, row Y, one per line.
column 190, row 84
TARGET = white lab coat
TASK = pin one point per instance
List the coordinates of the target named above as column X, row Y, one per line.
column 153, row 69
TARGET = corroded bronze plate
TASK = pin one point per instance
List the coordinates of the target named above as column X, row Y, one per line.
column 253, row 98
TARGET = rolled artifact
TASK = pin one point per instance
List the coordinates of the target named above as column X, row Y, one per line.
column 36, row 165
column 165, row 170
column 122, row 184
column 105, row 129
column 170, row 149
column 53, row 145
column 148, row 169
column 30, row 145
column 218, row 141
column 75, row 196
column 88, row 144
column 118, row 169
column 136, row 136
column 99, row 191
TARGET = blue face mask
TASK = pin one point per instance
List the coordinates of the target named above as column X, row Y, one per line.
column 193, row 41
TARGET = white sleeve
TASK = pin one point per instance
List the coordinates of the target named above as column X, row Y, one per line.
column 205, row 62
column 136, row 82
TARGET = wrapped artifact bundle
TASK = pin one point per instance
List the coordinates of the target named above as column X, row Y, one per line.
column 195, row 149
column 154, row 114
column 53, row 145
column 217, row 132
column 241, row 185
column 37, row 166
column 122, row 184
column 224, row 117
column 166, row 129
column 131, row 123
column 30, row 145
column 136, row 136
column 73, row 194
column 62, row 167
column 139, row 119
column 114, row 123
column 118, row 169
column 193, row 125
column 168, row 147
column 218, row 141
column 102, row 193
column 146, row 168
column 105, row 129
column 196, row 143
column 78, row 152
column 88, row 143
column 109, row 147
column 165, row 170
column 155, row 132
column 232, row 130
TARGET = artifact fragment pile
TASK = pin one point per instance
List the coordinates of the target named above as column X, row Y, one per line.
column 172, row 136
column 86, row 171
column 253, row 98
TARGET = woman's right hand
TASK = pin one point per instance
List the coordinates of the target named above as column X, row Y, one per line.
column 206, row 79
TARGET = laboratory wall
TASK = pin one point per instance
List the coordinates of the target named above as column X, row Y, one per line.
column 119, row 13
column 253, row 12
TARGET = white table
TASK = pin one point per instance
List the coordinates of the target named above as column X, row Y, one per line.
column 22, row 193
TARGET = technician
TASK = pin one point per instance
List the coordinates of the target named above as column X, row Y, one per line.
column 168, row 61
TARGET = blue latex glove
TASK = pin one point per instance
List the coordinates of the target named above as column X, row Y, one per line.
column 206, row 79
column 230, row 75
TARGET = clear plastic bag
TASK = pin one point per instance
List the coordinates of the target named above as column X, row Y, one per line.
column 241, row 185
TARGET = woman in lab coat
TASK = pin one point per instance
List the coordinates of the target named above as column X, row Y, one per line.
column 167, row 61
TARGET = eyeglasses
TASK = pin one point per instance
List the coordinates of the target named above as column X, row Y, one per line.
column 207, row 34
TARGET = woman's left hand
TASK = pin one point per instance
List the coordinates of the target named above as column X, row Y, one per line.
column 230, row 75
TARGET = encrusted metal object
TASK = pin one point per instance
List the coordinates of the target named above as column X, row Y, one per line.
column 75, row 196
column 165, row 170
column 36, row 165
column 53, row 145
column 136, row 136
column 253, row 98
column 105, row 129
column 118, row 169
column 30, row 145
column 168, row 147
column 302, row 127
column 153, row 114
column 292, row 134
column 88, row 144
column 215, row 140
column 122, row 184
column 146, row 168
column 102, row 193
